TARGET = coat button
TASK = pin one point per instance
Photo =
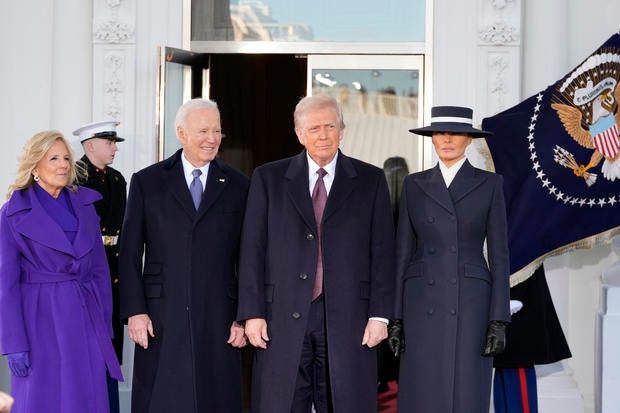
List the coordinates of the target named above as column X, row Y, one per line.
column 452, row 280
column 116, row 255
column 453, row 312
column 430, row 220
column 303, row 276
column 430, row 311
column 296, row 315
column 453, row 249
column 115, row 281
column 431, row 282
column 431, row 250
column 310, row 237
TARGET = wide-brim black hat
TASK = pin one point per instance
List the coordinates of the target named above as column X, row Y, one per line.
column 452, row 119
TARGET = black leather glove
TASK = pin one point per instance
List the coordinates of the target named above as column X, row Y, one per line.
column 396, row 338
column 496, row 338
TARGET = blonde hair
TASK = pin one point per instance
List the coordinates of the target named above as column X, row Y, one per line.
column 34, row 150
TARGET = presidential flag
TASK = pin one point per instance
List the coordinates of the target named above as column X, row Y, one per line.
column 559, row 154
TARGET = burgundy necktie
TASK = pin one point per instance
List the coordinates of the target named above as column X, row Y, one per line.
column 319, row 198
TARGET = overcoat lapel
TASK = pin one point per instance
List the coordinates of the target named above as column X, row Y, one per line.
column 36, row 224
column 465, row 181
column 297, row 188
column 341, row 187
column 217, row 181
column 434, row 186
column 83, row 242
column 175, row 180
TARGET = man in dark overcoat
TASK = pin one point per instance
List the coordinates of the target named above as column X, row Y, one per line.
column 99, row 140
column 185, row 215
column 316, row 291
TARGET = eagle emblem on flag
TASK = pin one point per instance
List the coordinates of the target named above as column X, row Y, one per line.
column 587, row 104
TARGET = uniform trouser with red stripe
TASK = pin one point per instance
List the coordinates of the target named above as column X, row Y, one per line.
column 514, row 390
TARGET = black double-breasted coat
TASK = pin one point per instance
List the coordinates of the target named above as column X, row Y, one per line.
column 445, row 292
column 187, row 286
column 278, row 261
column 112, row 186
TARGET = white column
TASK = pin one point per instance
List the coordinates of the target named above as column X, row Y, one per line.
column 557, row 389
column 455, row 33
column 499, row 56
column 25, row 78
column 545, row 33
column 607, row 378
column 71, row 81
column 114, row 71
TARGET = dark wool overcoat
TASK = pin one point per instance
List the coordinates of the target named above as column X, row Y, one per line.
column 446, row 292
column 187, row 286
column 278, row 261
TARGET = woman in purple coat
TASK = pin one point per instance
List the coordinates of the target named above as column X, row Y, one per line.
column 55, row 293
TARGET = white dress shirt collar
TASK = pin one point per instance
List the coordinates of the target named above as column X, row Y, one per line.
column 188, row 168
column 449, row 173
column 313, row 176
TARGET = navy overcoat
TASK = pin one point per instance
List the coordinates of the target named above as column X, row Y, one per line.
column 446, row 293
column 187, row 286
column 278, row 265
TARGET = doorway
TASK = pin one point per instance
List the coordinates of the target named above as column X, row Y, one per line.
column 381, row 97
column 256, row 94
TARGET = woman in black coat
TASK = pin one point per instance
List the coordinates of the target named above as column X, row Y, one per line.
column 454, row 303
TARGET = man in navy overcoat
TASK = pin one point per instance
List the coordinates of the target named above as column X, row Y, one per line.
column 315, row 341
column 181, row 303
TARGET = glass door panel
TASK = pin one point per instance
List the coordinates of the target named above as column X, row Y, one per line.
column 183, row 75
column 381, row 98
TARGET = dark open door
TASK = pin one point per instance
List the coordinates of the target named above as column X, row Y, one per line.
column 256, row 94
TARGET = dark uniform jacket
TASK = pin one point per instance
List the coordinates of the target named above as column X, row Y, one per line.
column 534, row 336
column 111, row 208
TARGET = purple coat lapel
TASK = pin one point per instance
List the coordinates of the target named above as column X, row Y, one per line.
column 38, row 226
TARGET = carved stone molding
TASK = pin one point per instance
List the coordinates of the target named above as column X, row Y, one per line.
column 497, row 81
column 113, row 87
column 501, row 4
column 109, row 27
column 499, row 33
column 499, row 51
column 113, row 32
column 500, row 22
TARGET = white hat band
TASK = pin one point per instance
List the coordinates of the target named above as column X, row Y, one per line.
column 442, row 119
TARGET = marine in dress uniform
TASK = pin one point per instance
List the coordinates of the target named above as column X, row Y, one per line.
column 99, row 140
